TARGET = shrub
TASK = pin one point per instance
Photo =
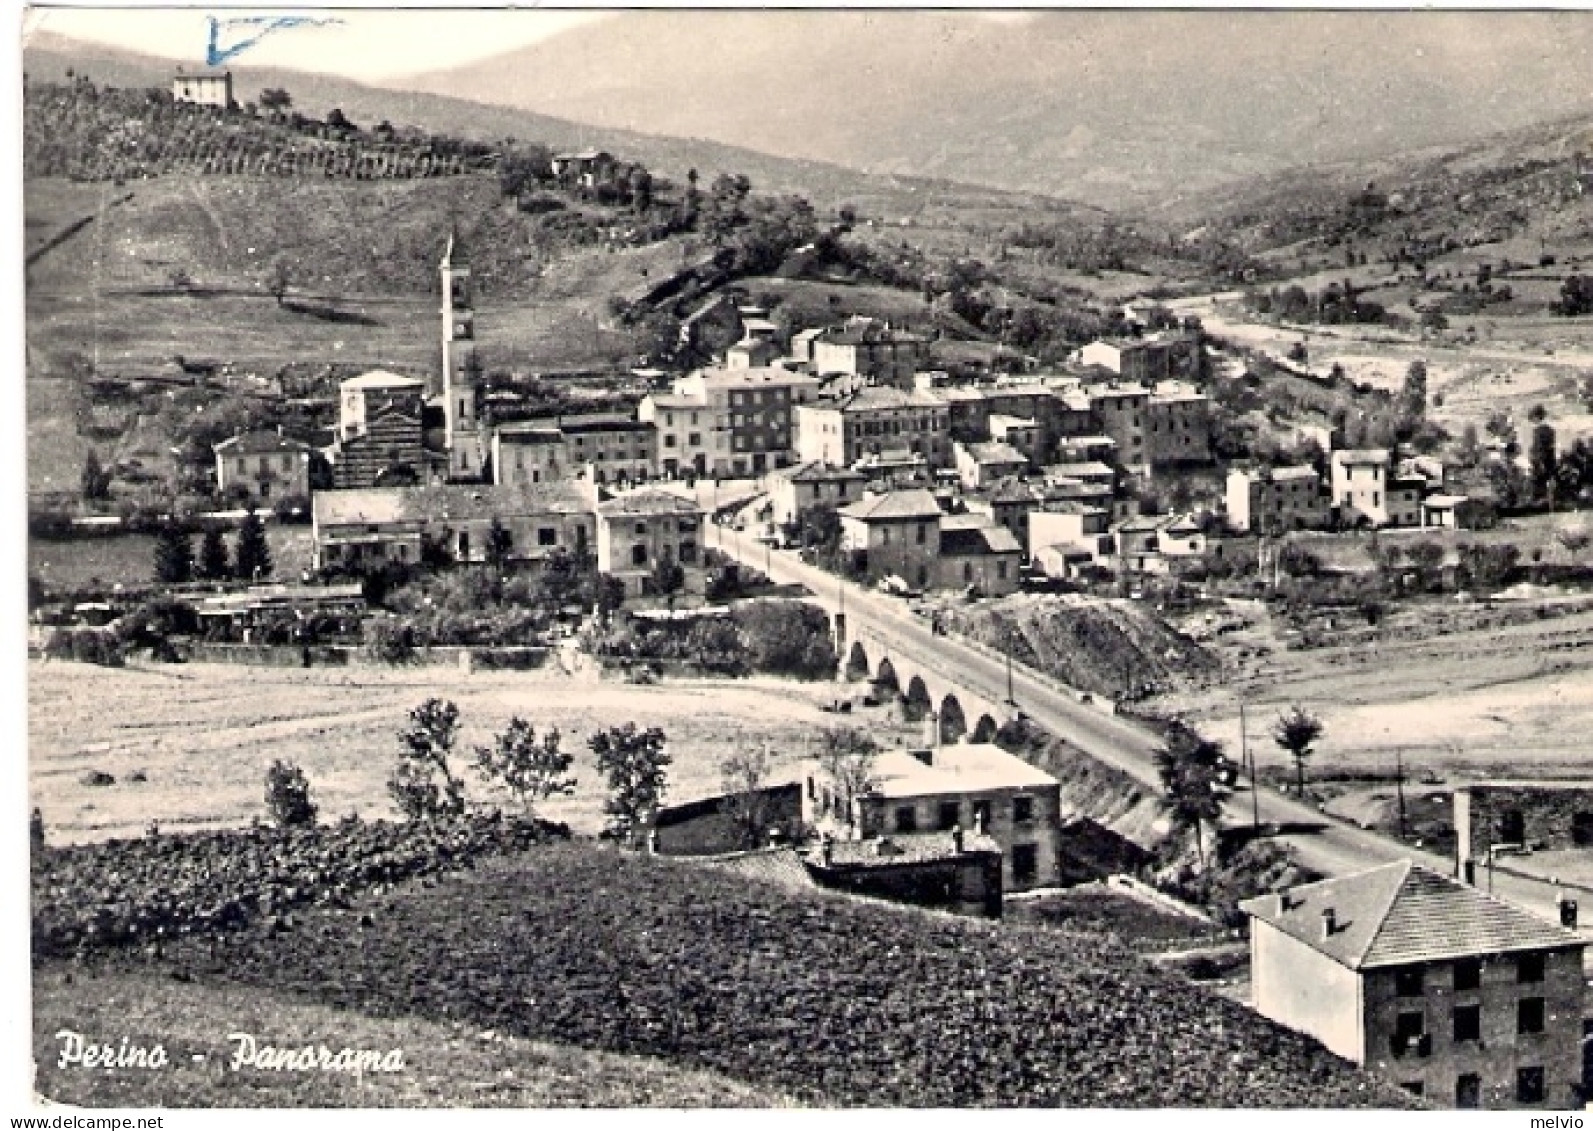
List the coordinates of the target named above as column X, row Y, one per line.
column 389, row 640
column 635, row 763
column 422, row 784
column 287, row 795
column 532, row 769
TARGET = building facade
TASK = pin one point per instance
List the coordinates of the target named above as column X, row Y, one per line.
column 268, row 465
column 875, row 350
column 636, row 531
column 1460, row 998
column 794, row 491
column 894, row 534
column 205, row 88
column 1264, row 501
column 461, row 370
column 880, row 422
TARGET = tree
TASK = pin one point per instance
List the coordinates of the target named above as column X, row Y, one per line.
column 422, row 783
column 635, row 763
column 252, row 558
column 1413, row 395
column 744, row 777
column 275, row 99
column 1426, row 558
column 532, row 769
column 1576, row 297
column 609, row 594
column 174, row 555
column 213, row 564
column 287, row 796
column 500, row 543
column 1294, row 733
column 1190, row 768
column 668, row 577
column 847, row 757
column 280, row 279
column 1574, row 540
column 1541, row 461
column 94, row 480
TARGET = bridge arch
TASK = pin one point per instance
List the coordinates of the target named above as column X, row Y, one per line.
column 916, row 702
column 857, row 664
column 953, row 723
column 885, row 678
column 984, row 730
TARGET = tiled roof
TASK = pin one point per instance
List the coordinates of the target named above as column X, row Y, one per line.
column 1361, row 456
column 1086, row 469
column 260, row 443
column 1403, row 913
column 816, row 472
column 1007, row 490
column 753, row 376
column 530, row 432
column 771, row 865
column 382, row 379
column 1444, row 500
column 996, row 452
column 648, row 501
column 456, row 503
column 878, row 397
column 906, row 848
column 603, row 422
column 977, row 542
column 965, row 767
column 916, row 503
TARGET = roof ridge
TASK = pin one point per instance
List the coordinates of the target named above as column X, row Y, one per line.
column 1408, row 866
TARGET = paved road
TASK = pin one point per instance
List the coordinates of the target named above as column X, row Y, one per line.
column 1326, row 844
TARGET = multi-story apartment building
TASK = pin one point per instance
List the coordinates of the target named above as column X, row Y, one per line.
column 529, row 451
column 1367, row 493
column 868, row 348
column 877, row 421
column 636, row 531
column 1177, row 425
column 896, row 534
column 389, row 524
column 685, row 432
column 618, row 449
column 1461, row 998
column 1119, row 413
column 1158, row 357
column 980, row 465
column 750, row 427
column 793, row 491
column 268, row 465
column 1264, row 501
column 977, row 788
column 977, row 552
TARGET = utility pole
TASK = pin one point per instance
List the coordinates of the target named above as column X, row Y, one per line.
column 1399, row 787
column 1007, row 638
column 1250, row 764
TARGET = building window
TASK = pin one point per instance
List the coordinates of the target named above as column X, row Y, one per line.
column 1022, row 810
column 641, row 529
column 922, row 527
column 1025, row 863
column 638, row 555
column 688, row 553
column 1408, row 1029
column 982, row 815
column 547, row 536
column 1414, row 1087
column 1468, row 1090
column 949, row 815
column 1529, row 1015
column 1529, row 968
column 906, row 819
column 1001, row 570
column 1529, row 1085
column 1408, row 982
column 1468, row 1023
column 1468, row 974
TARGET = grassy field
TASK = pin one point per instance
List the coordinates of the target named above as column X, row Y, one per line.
column 129, row 559
column 202, row 735
column 444, row 1065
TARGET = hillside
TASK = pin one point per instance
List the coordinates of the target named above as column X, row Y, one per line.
column 828, row 999
column 48, row 57
column 1117, row 109
column 1530, row 182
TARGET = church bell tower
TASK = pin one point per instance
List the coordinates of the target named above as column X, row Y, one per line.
column 461, row 373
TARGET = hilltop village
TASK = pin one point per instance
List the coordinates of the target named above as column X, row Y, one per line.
column 954, row 641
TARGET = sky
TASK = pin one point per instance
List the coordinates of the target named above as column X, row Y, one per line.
column 368, row 45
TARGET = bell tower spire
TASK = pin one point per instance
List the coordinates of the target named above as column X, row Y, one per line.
column 461, row 372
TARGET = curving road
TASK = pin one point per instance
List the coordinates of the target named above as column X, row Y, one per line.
column 1324, row 843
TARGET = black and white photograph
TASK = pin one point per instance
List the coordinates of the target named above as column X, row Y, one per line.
column 810, row 558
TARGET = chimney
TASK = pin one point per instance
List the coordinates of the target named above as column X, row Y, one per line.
column 1330, row 922
column 956, row 839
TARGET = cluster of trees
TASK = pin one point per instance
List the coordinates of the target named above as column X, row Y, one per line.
column 250, row 560
column 1576, row 297
column 770, row 636
column 530, row 767
column 1335, row 304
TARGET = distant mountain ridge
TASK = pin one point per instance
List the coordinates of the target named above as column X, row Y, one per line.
column 1118, row 109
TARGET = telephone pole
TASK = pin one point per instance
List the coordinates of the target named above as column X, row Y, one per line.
column 1399, row 787
column 1250, row 764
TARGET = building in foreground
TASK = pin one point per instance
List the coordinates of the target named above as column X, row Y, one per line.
column 636, row 531
column 1459, row 997
column 977, row 788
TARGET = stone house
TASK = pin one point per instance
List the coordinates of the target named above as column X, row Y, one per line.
column 1461, row 998
column 879, row 422
column 1263, row 500
column 976, row 552
column 269, row 465
column 894, row 534
column 796, row 490
column 636, row 531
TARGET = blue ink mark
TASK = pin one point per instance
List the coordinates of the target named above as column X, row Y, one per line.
column 215, row 54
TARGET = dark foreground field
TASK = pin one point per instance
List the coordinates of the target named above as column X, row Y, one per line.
column 823, row 999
